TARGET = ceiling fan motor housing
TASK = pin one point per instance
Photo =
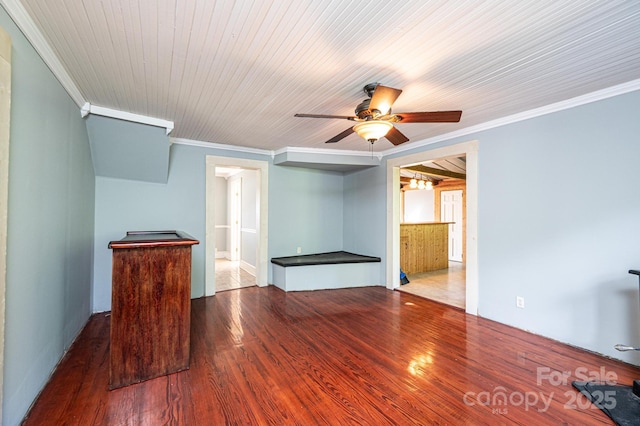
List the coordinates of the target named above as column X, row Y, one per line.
column 364, row 113
column 363, row 110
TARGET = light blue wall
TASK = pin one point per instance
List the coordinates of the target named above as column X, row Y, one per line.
column 559, row 207
column 128, row 205
column 305, row 210
column 365, row 212
column 50, row 227
column 559, row 204
column 127, row 150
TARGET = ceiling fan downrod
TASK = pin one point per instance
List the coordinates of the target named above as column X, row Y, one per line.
column 370, row 88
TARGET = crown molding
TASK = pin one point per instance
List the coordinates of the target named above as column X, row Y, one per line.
column 272, row 153
column 87, row 109
column 18, row 13
column 609, row 92
column 323, row 151
column 224, row 147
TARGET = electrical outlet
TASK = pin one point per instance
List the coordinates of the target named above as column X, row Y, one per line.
column 520, row 302
column 299, row 250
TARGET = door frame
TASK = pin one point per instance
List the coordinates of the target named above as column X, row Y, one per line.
column 262, row 167
column 460, row 224
column 470, row 151
column 234, row 183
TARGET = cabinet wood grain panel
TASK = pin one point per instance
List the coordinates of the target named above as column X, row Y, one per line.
column 424, row 247
column 150, row 310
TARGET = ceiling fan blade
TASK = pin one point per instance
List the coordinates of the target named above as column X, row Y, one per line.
column 340, row 136
column 396, row 137
column 345, row 117
column 430, row 117
column 383, row 97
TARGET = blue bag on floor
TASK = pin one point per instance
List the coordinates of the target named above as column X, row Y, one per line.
column 403, row 278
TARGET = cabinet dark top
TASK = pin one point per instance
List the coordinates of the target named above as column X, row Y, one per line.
column 136, row 239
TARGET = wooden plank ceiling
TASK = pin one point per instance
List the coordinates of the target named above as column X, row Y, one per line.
column 449, row 169
column 236, row 72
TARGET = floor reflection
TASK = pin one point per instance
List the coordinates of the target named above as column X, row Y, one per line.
column 444, row 285
column 235, row 323
column 229, row 276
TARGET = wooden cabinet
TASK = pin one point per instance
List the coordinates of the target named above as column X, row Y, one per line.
column 150, row 306
column 424, row 247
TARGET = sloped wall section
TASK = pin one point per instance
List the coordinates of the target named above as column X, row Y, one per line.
column 128, row 150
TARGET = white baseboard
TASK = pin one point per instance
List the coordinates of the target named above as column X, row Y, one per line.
column 248, row 268
column 222, row 254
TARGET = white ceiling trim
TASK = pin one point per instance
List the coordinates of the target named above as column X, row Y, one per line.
column 87, row 109
column 22, row 19
column 598, row 95
column 271, row 153
column 224, row 147
column 292, row 149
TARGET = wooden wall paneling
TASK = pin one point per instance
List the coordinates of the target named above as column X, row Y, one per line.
column 423, row 247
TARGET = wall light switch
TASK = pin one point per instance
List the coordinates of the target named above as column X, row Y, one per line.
column 299, row 250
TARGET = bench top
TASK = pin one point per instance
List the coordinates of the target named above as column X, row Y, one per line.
column 330, row 258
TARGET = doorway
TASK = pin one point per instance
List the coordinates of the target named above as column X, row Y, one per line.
column 235, row 227
column 255, row 252
column 432, row 249
column 470, row 151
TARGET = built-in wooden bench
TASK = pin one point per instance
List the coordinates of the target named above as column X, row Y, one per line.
column 337, row 269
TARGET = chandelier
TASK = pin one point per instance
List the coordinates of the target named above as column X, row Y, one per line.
column 420, row 183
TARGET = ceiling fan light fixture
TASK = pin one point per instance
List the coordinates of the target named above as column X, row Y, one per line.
column 372, row 130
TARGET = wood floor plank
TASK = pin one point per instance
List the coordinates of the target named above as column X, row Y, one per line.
column 261, row 356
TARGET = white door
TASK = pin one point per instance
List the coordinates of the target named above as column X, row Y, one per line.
column 451, row 211
column 235, row 208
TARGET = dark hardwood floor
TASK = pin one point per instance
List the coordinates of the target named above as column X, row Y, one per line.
column 352, row 356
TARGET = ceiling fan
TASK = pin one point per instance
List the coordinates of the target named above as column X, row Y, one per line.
column 375, row 119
